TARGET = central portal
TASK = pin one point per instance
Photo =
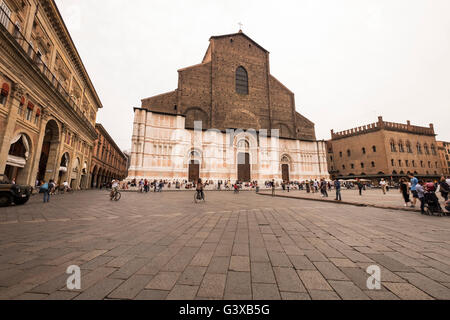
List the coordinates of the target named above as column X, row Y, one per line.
column 244, row 167
column 194, row 171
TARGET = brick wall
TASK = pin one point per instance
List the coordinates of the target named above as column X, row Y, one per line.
column 207, row 92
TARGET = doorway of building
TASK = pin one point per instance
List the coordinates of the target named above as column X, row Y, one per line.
column 244, row 170
column 194, row 171
column 285, row 172
column 47, row 162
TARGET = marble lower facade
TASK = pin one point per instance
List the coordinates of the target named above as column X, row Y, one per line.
column 163, row 149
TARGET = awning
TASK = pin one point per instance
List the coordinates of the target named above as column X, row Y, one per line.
column 5, row 89
column 14, row 161
column 25, row 143
column 63, row 169
column 30, row 106
column 38, row 112
column 22, row 101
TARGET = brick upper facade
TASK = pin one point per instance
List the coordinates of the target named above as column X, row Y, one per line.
column 207, row 92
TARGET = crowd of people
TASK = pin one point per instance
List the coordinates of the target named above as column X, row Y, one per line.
column 411, row 188
column 51, row 188
column 424, row 192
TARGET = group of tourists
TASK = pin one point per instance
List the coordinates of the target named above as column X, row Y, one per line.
column 50, row 188
column 418, row 189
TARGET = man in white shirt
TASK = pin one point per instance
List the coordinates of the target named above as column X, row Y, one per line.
column 383, row 186
column 66, row 185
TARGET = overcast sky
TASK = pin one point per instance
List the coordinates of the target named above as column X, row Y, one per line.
column 347, row 61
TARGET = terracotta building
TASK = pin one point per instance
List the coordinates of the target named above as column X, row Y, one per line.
column 232, row 88
column 384, row 150
column 48, row 104
column 108, row 162
column 444, row 154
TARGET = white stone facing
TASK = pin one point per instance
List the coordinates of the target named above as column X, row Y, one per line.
column 162, row 149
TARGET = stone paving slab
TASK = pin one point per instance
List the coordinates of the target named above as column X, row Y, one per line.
column 244, row 246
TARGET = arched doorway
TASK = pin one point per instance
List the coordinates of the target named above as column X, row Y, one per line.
column 17, row 164
column 243, row 161
column 63, row 168
column 194, row 166
column 47, row 162
column 94, row 178
column 99, row 178
column 285, row 174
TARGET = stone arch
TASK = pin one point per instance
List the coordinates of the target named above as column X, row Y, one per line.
column 286, row 166
column 285, row 131
column 94, row 175
column 19, row 160
column 196, row 114
column 242, row 119
column 49, row 158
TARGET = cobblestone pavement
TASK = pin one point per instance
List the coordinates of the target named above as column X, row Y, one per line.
column 246, row 246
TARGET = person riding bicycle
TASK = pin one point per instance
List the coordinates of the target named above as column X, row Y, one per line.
column 200, row 189
column 114, row 188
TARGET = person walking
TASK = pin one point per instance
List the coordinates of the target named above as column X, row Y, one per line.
column 383, row 185
column 323, row 188
column 337, row 186
column 45, row 189
column 273, row 188
column 421, row 194
column 444, row 188
column 360, row 187
column 414, row 182
column 404, row 190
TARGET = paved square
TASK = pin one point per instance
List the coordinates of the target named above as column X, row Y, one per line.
column 246, row 246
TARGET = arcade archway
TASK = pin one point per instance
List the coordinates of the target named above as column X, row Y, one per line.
column 49, row 157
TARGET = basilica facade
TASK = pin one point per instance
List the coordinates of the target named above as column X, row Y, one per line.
column 229, row 119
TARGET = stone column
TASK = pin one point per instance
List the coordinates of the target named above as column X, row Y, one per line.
column 38, row 148
column 16, row 94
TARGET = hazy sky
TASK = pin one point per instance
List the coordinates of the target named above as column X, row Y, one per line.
column 347, row 61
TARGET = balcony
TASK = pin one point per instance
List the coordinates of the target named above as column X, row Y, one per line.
column 7, row 25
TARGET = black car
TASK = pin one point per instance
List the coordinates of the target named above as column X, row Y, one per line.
column 13, row 193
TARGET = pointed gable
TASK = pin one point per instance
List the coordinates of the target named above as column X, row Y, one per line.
column 239, row 34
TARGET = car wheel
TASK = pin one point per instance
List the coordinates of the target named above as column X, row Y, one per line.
column 5, row 200
column 22, row 201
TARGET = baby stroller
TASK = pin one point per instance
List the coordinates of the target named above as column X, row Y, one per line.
column 432, row 205
column 447, row 207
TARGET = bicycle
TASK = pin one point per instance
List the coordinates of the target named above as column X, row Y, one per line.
column 64, row 190
column 198, row 197
column 115, row 195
